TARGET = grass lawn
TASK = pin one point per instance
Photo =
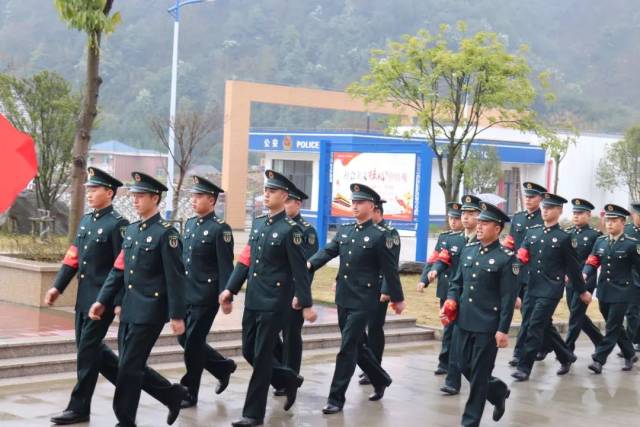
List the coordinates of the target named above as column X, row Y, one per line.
column 425, row 306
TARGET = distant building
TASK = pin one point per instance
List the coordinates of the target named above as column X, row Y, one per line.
column 120, row 159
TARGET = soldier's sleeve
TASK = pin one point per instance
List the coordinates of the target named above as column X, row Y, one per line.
column 224, row 253
column 396, row 256
column 68, row 268
column 635, row 255
column 593, row 262
column 510, row 240
column 324, row 255
column 173, row 268
column 114, row 283
column 455, row 284
column 446, row 259
column 522, row 255
column 117, row 237
column 573, row 266
column 240, row 271
column 389, row 268
column 508, row 293
column 310, row 242
column 298, row 265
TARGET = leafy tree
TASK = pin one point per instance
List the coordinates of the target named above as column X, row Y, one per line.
column 557, row 137
column 455, row 93
column 620, row 167
column 482, row 170
column 45, row 107
column 94, row 18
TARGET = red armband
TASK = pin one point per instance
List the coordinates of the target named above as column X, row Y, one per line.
column 245, row 256
column 119, row 262
column 593, row 261
column 433, row 257
column 444, row 257
column 450, row 310
column 71, row 257
column 523, row 255
column 509, row 242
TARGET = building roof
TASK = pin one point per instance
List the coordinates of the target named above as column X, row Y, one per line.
column 117, row 147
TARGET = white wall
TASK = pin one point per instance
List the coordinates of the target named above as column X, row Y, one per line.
column 313, row 157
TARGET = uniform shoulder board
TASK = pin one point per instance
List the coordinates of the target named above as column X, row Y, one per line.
column 473, row 243
column 535, row 226
column 455, row 233
column 507, row 250
column 261, row 216
column 291, row 222
column 570, row 229
column 631, row 238
column 444, row 233
column 220, row 220
column 380, row 228
column 166, row 224
column 604, row 236
column 116, row 214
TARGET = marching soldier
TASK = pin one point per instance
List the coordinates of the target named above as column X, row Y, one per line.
column 633, row 312
column 616, row 255
column 365, row 249
column 208, row 260
column 520, row 223
column 455, row 225
column 374, row 337
column 482, row 296
column 292, row 332
column 90, row 258
column 548, row 252
column 273, row 262
column 583, row 238
column 150, row 271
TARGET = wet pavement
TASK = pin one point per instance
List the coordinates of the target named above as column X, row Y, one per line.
column 577, row 399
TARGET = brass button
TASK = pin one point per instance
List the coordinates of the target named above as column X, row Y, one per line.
column 471, row 287
column 473, row 275
column 278, row 284
column 130, row 271
column 130, row 286
column 255, row 274
column 257, row 261
column 345, row 276
column 347, row 264
column 209, row 280
column 470, row 299
column 84, row 262
column 156, row 294
column 82, row 276
column 477, row 263
column 368, row 285
column 495, row 308
column 133, row 257
column 186, row 272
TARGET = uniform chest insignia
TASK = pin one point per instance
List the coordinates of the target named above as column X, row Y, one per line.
column 123, row 230
column 389, row 242
column 226, row 236
column 396, row 240
column 100, row 230
column 173, row 241
column 205, row 233
column 297, row 237
column 274, row 235
column 366, row 238
column 312, row 238
column 149, row 239
column 574, row 242
column 515, row 268
column 492, row 261
column 638, row 249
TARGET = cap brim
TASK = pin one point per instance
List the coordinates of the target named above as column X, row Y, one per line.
column 363, row 198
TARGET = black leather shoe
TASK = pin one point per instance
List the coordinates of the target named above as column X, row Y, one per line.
column 514, row 362
column 440, row 371
column 566, row 367
column 330, row 408
column 628, row 363
column 498, row 410
column 520, row 376
column 448, row 390
column 364, row 380
column 292, row 392
column 189, row 402
column 124, row 425
column 378, row 393
column 596, row 367
column 69, row 417
column 246, row 422
column 540, row 356
column 224, row 381
column 180, row 393
column 280, row 392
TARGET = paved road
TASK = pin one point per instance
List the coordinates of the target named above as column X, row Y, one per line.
column 578, row 399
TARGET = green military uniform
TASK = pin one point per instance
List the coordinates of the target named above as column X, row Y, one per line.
column 292, row 332
column 521, row 223
column 582, row 239
column 365, row 250
column 273, row 264
column 90, row 258
column 150, row 270
column 550, row 256
column 616, row 258
column 208, row 259
column 633, row 312
column 484, row 288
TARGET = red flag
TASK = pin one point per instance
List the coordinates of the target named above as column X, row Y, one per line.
column 18, row 162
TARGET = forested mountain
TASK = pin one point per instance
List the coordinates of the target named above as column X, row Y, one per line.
column 590, row 45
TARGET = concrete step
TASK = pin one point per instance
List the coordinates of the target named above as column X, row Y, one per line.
column 42, row 346
column 163, row 354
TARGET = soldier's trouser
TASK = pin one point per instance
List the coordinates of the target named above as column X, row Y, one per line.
column 292, row 341
column 260, row 331
column 375, row 330
column 615, row 332
column 134, row 345
column 633, row 323
column 476, row 356
column 579, row 321
column 542, row 334
column 353, row 351
column 94, row 357
column 198, row 355
column 525, row 311
column 445, row 351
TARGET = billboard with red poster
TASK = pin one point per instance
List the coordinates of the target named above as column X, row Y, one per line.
column 392, row 175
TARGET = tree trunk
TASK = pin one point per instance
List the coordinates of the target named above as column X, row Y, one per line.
column 556, row 176
column 88, row 114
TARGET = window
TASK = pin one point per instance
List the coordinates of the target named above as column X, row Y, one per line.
column 300, row 172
